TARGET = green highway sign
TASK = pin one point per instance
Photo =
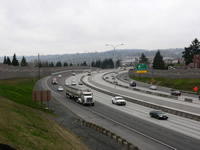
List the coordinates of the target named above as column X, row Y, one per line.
column 141, row 68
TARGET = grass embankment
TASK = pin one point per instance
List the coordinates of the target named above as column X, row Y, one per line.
column 24, row 124
column 182, row 84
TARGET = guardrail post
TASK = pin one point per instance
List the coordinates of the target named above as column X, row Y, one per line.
column 97, row 127
column 107, row 132
column 123, row 141
column 117, row 138
column 129, row 145
column 112, row 134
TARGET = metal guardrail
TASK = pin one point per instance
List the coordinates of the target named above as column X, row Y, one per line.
column 110, row 134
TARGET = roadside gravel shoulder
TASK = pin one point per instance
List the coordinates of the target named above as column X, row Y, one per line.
column 67, row 119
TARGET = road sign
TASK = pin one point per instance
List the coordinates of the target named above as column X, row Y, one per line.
column 141, row 68
column 195, row 88
column 152, row 80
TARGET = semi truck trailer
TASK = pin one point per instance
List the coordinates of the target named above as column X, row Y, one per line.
column 81, row 94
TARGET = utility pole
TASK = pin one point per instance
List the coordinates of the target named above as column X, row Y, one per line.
column 38, row 65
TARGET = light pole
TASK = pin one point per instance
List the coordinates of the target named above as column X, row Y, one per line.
column 114, row 48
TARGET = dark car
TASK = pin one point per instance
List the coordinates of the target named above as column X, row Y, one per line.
column 176, row 93
column 158, row 114
column 132, row 83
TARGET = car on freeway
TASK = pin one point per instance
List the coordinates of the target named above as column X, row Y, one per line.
column 59, row 76
column 54, row 81
column 175, row 93
column 80, row 83
column 125, row 78
column 115, row 82
column 132, row 83
column 153, row 87
column 118, row 100
column 60, row 88
column 73, row 82
column 158, row 114
column 89, row 73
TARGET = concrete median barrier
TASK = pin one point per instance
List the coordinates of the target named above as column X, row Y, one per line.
column 188, row 100
column 139, row 90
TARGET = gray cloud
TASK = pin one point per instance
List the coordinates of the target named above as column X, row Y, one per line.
column 70, row 26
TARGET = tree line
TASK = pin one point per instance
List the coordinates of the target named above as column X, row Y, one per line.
column 188, row 55
column 105, row 64
column 158, row 63
column 15, row 61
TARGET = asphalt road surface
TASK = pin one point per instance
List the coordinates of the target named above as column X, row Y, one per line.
column 146, row 134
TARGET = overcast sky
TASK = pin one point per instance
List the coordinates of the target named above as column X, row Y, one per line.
column 70, row 26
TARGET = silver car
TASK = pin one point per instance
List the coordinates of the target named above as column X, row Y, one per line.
column 60, row 88
column 153, row 87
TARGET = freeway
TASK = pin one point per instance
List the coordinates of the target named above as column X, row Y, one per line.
column 165, row 90
column 190, row 107
column 132, row 121
column 92, row 116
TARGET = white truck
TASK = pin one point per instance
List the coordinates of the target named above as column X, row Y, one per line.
column 54, row 81
column 81, row 94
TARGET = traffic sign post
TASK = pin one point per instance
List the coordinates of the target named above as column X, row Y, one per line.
column 195, row 88
column 141, row 68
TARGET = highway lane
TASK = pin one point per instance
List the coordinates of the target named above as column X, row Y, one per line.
column 153, row 128
column 162, row 89
column 87, row 114
column 145, row 87
column 190, row 107
column 135, row 122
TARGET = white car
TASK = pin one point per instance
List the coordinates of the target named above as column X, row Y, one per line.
column 118, row 100
column 73, row 82
column 60, row 88
column 59, row 76
column 153, row 87
column 73, row 74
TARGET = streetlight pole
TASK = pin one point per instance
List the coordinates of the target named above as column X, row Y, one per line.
column 38, row 65
column 114, row 48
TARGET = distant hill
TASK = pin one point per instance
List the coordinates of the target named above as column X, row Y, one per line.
column 118, row 54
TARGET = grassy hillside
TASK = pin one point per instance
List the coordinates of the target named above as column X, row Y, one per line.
column 182, row 84
column 23, row 124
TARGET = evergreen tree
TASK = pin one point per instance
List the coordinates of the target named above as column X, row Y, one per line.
column 40, row 65
column 23, row 62
column 118, row 63
column 15, row 61
column 143, row 59
column 51, row 64
column 5, row 60
column 158, row 62
column 108, row 63
column 65, row 64
column 98, row 63
column 84, row 63
column 59, row 64
column 93, row 64
column 190, row 51
column 8, row 61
